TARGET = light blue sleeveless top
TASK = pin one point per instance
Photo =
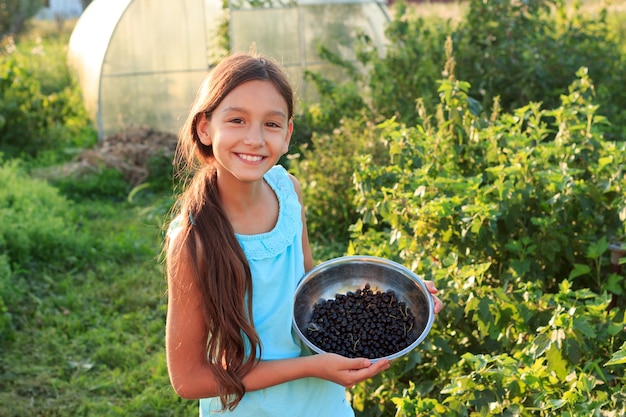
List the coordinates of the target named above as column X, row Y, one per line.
column 277, row 264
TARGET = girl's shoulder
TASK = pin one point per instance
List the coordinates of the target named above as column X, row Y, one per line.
column 280, row 179
column 176, row 225
column 277, row 173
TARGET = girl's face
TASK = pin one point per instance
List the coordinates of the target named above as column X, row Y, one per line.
column 249, row 130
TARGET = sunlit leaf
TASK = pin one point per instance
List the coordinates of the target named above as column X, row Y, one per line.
column 556, row 363
column 618, row 357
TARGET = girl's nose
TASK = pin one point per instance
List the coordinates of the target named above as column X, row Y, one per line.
column 254, row 136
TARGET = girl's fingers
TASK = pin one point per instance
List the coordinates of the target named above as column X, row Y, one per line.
column 361, row 373
column 438, row 304
column 354, row 364
column 431, row 287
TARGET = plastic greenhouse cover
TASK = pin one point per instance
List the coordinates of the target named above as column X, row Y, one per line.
column 152, row 64
column 296, row 33
column 88, row 45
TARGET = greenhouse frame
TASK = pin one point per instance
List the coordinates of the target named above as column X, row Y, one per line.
column 140, row 62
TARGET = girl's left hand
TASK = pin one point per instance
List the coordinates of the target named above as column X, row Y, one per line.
column 433, row 290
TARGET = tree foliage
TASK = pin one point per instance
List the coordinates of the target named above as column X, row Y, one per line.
column 14, row 13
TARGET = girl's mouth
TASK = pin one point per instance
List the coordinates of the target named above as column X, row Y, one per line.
column 250, row 158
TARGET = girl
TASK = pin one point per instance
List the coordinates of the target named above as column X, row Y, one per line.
column 236, row 253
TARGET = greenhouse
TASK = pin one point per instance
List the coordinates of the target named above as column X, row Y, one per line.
column 140, row 62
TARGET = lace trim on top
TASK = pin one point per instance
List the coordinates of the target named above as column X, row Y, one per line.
column 288, row 226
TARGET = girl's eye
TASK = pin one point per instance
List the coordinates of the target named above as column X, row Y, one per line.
column 273, row 124
column 236, row 120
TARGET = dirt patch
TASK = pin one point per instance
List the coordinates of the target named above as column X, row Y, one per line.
column 128, row 151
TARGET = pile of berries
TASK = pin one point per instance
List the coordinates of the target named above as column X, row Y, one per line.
column 363, row 323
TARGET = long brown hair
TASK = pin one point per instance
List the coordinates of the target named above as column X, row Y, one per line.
column 219, row 264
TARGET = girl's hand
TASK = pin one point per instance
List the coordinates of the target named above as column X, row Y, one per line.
column 347, row 371
column 433, row 290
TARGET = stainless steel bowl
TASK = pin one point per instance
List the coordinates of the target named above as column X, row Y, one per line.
column 349, row 273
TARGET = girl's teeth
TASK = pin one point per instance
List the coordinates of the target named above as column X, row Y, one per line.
column 251, row 158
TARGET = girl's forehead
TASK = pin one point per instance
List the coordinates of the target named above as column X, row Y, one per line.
column 263, row 86
column 255, row 93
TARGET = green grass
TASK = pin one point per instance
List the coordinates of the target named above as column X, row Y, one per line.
column 91, row 341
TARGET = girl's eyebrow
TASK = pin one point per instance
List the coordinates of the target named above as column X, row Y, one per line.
column 278, row 113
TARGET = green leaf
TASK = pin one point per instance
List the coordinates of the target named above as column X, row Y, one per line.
column 579, row 270
column 556, row 404
column 474, row 106
column 604, row 161
column 614, row 284
column 541, row 343
column 618, row 357
column 615, row 328
column 136, row 190
column 598, row 248
column 581, row 323
column 556, row 363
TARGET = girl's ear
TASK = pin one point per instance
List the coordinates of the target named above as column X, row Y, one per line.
column 288, row 137
column 202, row 128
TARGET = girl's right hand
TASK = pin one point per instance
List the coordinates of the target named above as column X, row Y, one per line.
column 347, row 371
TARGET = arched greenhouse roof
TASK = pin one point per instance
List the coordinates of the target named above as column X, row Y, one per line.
column 140, row 62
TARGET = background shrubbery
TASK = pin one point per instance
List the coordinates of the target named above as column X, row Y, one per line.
column 519, row 52
column 41, row 111
column 484, row 153
column 505, row 237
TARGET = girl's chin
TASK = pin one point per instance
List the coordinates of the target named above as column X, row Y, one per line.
column 248, row 173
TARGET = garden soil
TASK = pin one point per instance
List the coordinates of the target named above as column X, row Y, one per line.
column 128, row 151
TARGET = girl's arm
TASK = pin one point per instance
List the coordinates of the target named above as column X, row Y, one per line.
column 185, row 333
column 185, row 341
column 343, row 371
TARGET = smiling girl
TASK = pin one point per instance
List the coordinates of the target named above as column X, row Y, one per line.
column 235, row 254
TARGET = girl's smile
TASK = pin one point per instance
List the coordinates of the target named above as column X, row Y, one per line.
column 251, row 158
